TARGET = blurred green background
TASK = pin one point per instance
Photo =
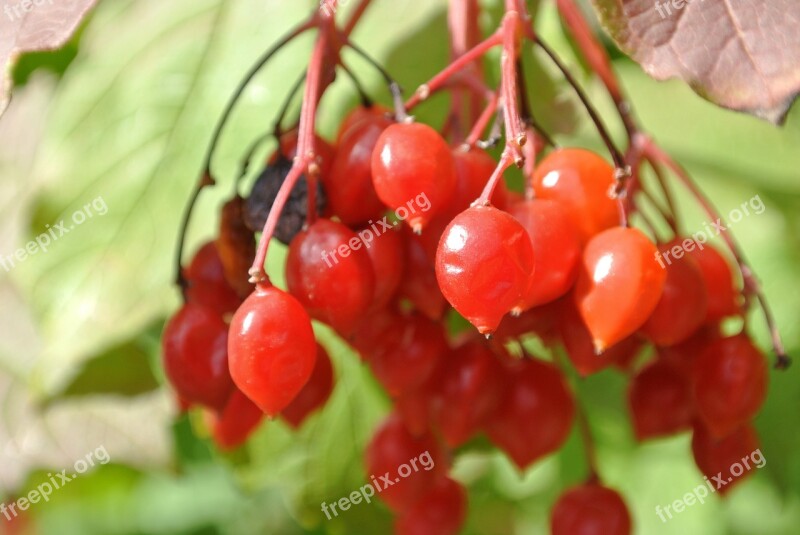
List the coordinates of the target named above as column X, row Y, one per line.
column 125, row 112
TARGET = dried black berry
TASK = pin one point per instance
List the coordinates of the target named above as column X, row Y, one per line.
column 262, row 197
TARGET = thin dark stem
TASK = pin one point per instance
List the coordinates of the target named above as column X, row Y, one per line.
column 287, row 104
column 366, row 101
column 394, row 88
column 206, row 178
column 616, row 155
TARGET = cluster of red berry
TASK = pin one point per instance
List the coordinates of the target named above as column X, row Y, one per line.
column 554, row 263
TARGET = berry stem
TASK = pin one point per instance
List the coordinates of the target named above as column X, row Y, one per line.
column 358, row 12
column 751, row 284
column 597, row 58
column 437, row 82
column 206, row 176
column 394, row 88
column 483, row 120
column 306, row 156
column 616, row 155
column 582, row 420
column 506, row 160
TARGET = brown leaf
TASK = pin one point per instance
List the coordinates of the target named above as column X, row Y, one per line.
column 32, row 25
column 740, row 54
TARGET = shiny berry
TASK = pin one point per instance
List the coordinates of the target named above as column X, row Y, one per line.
column 619, row 285
column 556, row 247
column 350, row 192
column 484, row 265
column 329, row 271
column 237, row 247
column 583, row 182
column 580, row 348
column 410, row 160
column 271, row 349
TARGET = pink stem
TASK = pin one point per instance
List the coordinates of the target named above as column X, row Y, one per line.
column 305, row 159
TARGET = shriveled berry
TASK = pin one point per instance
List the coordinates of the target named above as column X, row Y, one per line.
column 264, row 192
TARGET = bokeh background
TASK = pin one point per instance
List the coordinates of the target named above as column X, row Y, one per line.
column 125, row 112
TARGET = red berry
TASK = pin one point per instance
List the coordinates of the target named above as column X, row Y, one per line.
column 474, row 167
column 683, row 306
column 196, row 356
column 583, row 182
column 484, row 265
column 619, row 286
column 535, row 414
column 234, row 425
column 730, row 383
column 413, row 346
column 272, row 348
column 329, row 271
column 351, row 195
column 556, row 247
column 315, row 392
column 393, row 446
column 288, row 150
column 469, row 386
column 716, row 457
column 207, row 284
column 419, row 283
column 723, row 297
column 579, row 346
column 590, row 509
column 385, row 249
column 440, row 510
column 660, row 401
column 357, row 115
column 409, row 161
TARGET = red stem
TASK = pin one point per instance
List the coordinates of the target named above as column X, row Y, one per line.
column 306, row 156
column 483, row 120
column 751, row 283
column 437, row 82
column 355, row 17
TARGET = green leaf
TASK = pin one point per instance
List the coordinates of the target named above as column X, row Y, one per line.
column 124, row 369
